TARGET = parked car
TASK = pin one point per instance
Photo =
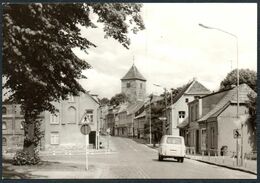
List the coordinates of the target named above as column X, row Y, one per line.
column 172, row 147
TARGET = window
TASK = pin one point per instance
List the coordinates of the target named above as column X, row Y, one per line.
column 55, row 138
column 4, row 141
column 55, row 119
column 196, row 112
column 71, row 98
column 203, row 138
column 71, row 115
column 3, row 125
column 3, row 110
column 128, row 85
column 212, row 133
column 173, row 140
column 181, row 114
column 187, row 100
column 191, row 113
column 141, row 85
column 90, row 116
column 22, row 125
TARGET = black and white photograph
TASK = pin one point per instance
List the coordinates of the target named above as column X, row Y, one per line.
column 95, row 90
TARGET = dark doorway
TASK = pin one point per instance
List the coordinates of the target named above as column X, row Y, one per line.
column 92, row 138
column 197, row 141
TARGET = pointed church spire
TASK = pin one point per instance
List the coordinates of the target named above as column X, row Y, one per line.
column 133, row 73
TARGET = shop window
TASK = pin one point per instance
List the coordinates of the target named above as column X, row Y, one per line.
column 55, row 138
column 4, row 127
column 4, row 111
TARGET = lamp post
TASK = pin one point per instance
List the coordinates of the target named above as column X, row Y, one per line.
column 165, row 95
column 237, row 114
column 150, row 120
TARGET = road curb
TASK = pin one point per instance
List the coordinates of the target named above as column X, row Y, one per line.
column 225, row 166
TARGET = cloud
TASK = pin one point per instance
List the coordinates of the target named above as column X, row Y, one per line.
column 173, row 48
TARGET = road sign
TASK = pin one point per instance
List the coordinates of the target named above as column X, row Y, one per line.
column 85, row 129
column 236, row 133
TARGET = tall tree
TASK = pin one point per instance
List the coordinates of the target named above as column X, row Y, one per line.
column 245, row 76
column 119, row 99
column 104, row 101
column 38, row 62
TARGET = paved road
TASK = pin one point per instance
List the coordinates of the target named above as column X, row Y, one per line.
column 134, row 160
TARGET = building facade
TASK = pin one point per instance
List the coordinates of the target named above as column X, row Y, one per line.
column 63, row 129
column 177, row 112
column 13, row 127
column 213, row 119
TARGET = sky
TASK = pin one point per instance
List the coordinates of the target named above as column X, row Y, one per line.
column 173, row 49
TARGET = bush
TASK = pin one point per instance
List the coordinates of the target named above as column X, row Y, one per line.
column 22, row 157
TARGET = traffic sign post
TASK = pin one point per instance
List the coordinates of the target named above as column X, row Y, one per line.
column 236, row 135
column 85, row 130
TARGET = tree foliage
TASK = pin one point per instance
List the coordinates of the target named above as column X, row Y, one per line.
column 104, row 101
column 246, row 76
column 118, row 99
column 251, row 104
column 38, row 62
column 172, row 93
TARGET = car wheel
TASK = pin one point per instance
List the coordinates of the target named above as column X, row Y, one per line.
column 182, row 159
column 160, row 158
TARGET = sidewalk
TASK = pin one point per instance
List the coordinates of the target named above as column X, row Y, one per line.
column 249, row 166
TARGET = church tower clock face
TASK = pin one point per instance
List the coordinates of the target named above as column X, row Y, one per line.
column 133, row 84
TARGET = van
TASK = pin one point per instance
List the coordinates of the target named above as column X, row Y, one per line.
column 172, row 147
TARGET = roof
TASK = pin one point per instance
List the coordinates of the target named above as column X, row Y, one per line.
column 122, row 108
column 197, row 88
column 193, row 87
column 133, row 73
column 143, row 114
column 132, row 108
column 230, row 96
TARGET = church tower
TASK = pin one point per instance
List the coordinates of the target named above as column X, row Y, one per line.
column 133, row 84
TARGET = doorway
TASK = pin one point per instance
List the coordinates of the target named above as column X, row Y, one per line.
column 197, row 141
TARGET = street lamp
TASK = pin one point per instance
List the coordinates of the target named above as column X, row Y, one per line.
column 165, row 93
column 233, row 35
column 150, row 120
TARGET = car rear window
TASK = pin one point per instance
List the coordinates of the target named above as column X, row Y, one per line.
column 173, row 140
